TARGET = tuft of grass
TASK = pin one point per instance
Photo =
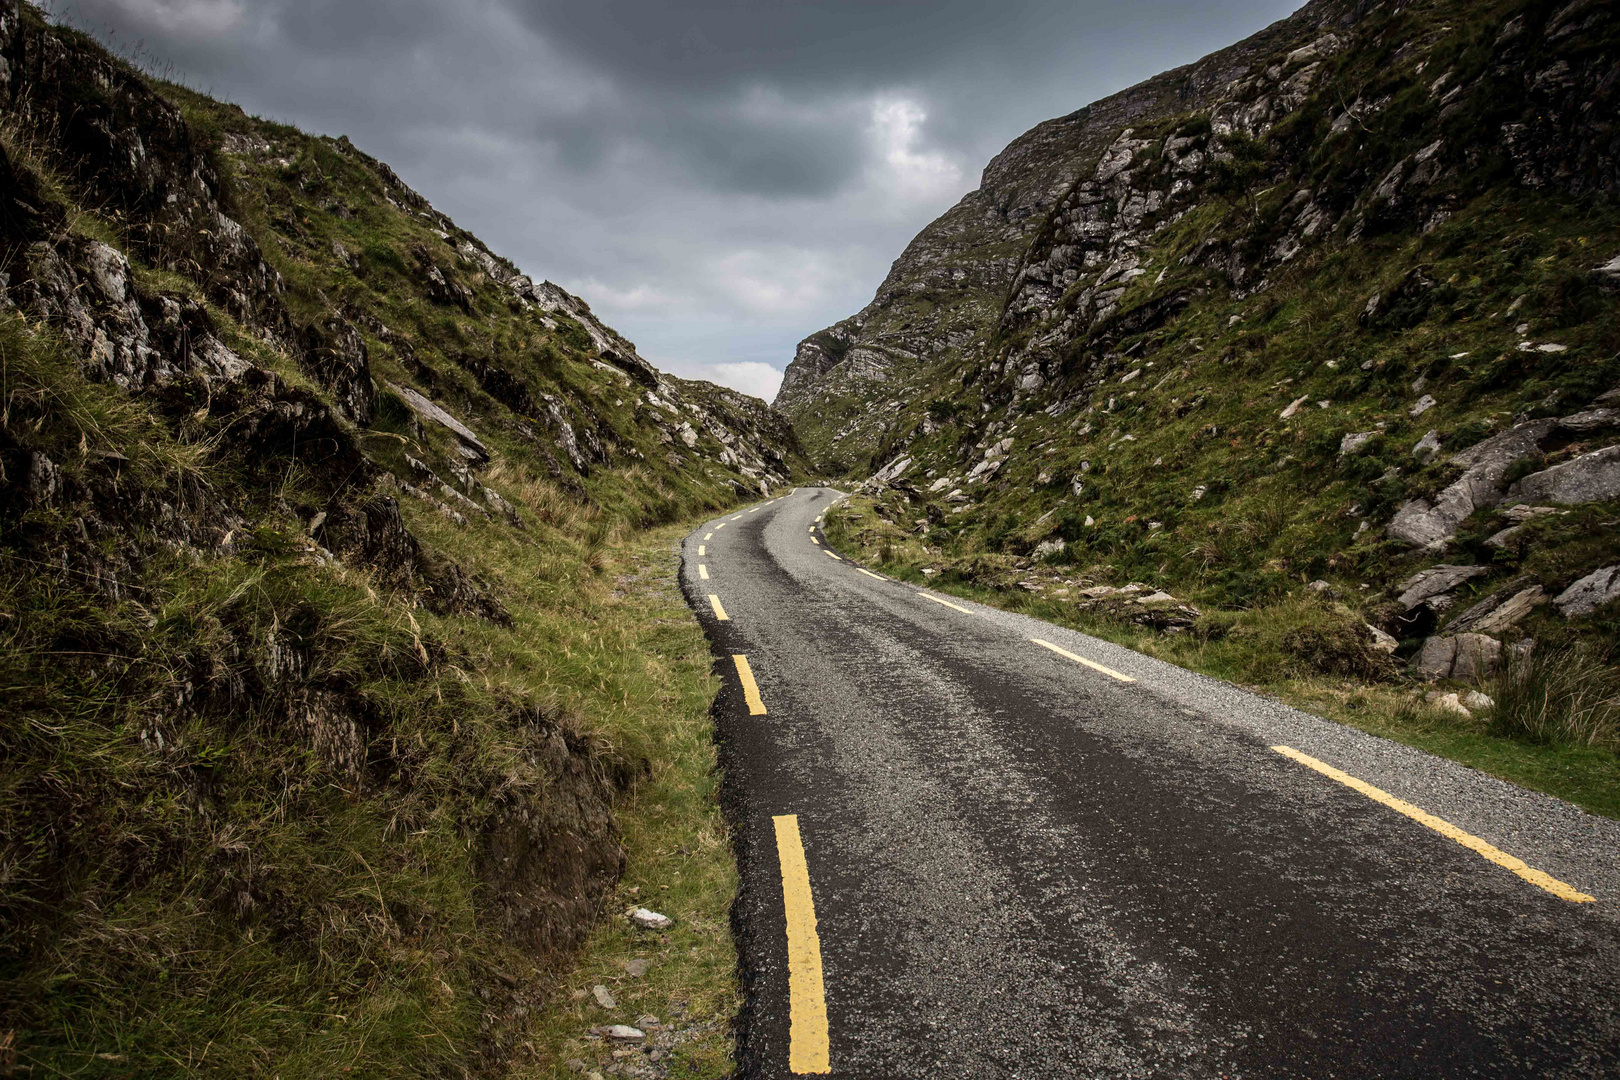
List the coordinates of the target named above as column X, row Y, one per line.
column 1560, row 696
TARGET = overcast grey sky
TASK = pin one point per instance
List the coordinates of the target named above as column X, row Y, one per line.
column 716, row 178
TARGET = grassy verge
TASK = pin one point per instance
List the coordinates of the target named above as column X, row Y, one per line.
column 679, row 856
column 1246, row 651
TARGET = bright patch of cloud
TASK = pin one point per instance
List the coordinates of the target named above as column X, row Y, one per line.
column 896, row 132
column 749, row 376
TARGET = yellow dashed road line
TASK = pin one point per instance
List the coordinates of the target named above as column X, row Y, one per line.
column 700, row 549
column 718, row 527
column 829, row 554
column 735, row 517
column 1082, row 660
column 807, row 1002
column 1443, row 827
column 745, row 675
column 708, row 536
column 719, row 612
column 816, row 542
column 869, row 574
column 703, row 572
column 947, row 603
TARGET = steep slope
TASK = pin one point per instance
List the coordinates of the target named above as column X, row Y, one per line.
column 938, row 308
column 318, row 699
column 1345, row 315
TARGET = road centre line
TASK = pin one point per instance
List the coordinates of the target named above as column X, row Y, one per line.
column 947, row 603
column 719, row 612
column 700, row 549
column 735, row 517
column 708, row 536
column 807, row 1001
column 745, row 675
column 718, row 527
column 703, row 572
column 1082, row 660
column 1444, row 828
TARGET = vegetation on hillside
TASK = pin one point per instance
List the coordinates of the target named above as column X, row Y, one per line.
column 341, row 663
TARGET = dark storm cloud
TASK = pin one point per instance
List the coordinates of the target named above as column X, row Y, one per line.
column 717, row 177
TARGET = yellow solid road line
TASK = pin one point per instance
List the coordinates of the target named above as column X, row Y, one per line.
column 1444, row 828
column 947, row 603
column 745, row 675
column 719, row 612
column 1082, row 660
column 807, row 1001
column 700, row 549
column 869, row 573
column 703, row 572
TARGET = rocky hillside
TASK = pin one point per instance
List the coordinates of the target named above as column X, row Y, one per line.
column 943, row 297
column 1336, row 306
column 315, row 714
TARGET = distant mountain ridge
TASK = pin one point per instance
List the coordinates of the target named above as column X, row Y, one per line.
column 943, row 295
column 1323, row 312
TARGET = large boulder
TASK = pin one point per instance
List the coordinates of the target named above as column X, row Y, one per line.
column 1436, row 581
column 1590, row 592
column 1465, row 657
column 1423, row 523
column 1499, row 611
column 1593, row 477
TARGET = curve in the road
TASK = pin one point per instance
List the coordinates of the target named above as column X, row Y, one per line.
column 1022, row 851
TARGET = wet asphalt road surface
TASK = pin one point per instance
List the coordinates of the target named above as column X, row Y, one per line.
column 1023, row 867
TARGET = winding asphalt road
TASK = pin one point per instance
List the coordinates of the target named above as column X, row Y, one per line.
column 1021, row 865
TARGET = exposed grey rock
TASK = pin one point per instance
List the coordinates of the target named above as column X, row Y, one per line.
column 1524, row 513
column 1355, row 442
column 1424, row 524
column 427, row 410
column 651, row 920
column 1464, row 657
column 1384, row 643
column 1505, row 537
column 1055, row 546
column 603, row 997
column 1477, row 701
column 1423, row 405
column 637, row 967
column 1293, row 408
column 1499, row 611
column 1592, row 477
column 623, row 1033
column 1435, row 581
column 1448, row 703
column 1590, row 592
column 1427, row 447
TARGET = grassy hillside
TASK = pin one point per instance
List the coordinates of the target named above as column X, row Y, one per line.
column 344, row 685
column 1352, row 321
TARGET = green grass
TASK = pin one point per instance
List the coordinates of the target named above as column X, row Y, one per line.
column 1252, row 648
